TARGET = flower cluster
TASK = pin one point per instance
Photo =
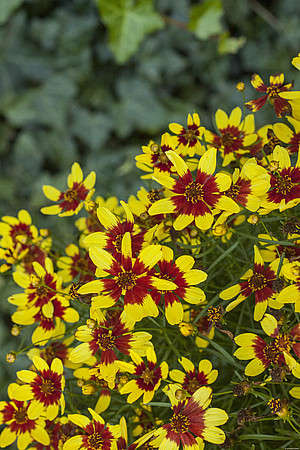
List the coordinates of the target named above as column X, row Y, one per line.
column 147, row 318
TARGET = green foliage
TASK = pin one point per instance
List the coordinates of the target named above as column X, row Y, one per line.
column 206, row 19
column 7, row 7
column 128, row 21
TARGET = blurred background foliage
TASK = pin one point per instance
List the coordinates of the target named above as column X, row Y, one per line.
column 92, row 83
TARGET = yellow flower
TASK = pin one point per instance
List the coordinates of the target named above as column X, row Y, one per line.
column 147, row 376
column 193, row 378
column 44, row 388
column 70, row 201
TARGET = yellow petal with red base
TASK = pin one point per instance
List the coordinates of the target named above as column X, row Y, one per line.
column 221, row 119
column 35, row 409
column 7, row 437
column 51, row 210
column 227, row 204
column 214, row 417
column 223, row 181
column 163, row 206
column 256, row 81
column 183, row 221
column 52, row 411
column 178, row 163
column 74, row 443
column 203, row 396
column 103, row 402
column 177, row 375
column 40, row 435
column 208, row 161
column 230, row 292
column 235, row 117
column 245, row 353
column 214, row 435
column 235, row 303
column 51, row 193
column 185, row 262
column 194, row 295
column 164, row 180
column 24, row 216
column 101, row 258
column 195, row 276
column 204, row 222
column 90, row 180
column 106, row 218
column 27, row 376
column 245, row 339
column 254, row 367
column 150, row 255
column 174, row 313
column 81, row 353
column 260, row 309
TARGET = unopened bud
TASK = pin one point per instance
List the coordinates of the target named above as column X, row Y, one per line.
column 88, row 389
column 91, row 323
column 253, row 219
column 11, row 357
column 240, row 86
column 186, row 328
column 15, row 330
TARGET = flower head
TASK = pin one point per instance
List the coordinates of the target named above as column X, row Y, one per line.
column 70, row 201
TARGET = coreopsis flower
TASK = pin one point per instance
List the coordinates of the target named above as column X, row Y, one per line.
column 70, row 201
column 96, row 434
column 193, row 200
column 154, row 159
column 285, row 182
column 110, row 238
column 249, row 185
column 273, row 354
column 59, row 430
column 271, row 91
column 43, row 388
column 14, row 414
column 182, row 274
column 108, row 337
column 286, row 135
column 192, row 422
column 279, row 407
column 235, row 134
column 147, row 376
column 21, row 242
column 291, row 293
column 128, row 276
column 192, row 379
column 257, row 281
column 76, row 264
column 188, row 139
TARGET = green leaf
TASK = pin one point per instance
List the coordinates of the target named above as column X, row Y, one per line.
column 128, row 22
column 205, row 19
column 7, row 7
column 229, row 44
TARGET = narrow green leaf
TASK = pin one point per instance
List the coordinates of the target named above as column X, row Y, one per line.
column 128, row 22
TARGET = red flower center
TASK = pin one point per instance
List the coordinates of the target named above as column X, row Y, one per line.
column 126, row 280
column 179, row 423
column 282, row 184
column 106, row 340
column 47, row 388
column 70, row 195
column 257, row 282
column 21, row 415
column 194, row 192
column 95, row 441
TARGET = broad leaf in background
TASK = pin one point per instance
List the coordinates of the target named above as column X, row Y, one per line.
column 228, row 44
column 7, row 7
column 128, row 22
column 205, row 19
